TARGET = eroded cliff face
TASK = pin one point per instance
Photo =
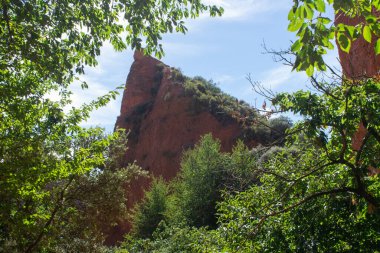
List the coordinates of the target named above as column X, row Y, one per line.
column 164, row 120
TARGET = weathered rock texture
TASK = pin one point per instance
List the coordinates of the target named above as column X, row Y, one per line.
column 164, row 121
column 362, row 61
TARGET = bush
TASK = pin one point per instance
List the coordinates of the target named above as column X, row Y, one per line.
column 173, row 239
column 223, row 106
column 196, row 189
column 151, row 211
column 272, row 132
column 207, row 173
column 278, row 127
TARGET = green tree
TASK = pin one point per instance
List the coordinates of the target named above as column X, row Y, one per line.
column 316, row 31
column 198, row 186
column 94, row 204
column 278, row 127
column 302, row 204
column 44, row 47
column 320, row 193
column 205, row 174
column 324, row 196
column 151, row 211
column 172, row 239
column 272, row 132
column 67, row 210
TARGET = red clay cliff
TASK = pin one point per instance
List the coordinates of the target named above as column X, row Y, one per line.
column 162, row 124
column 156, row 111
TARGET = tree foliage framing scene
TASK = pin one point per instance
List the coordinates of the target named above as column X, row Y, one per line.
column 309, row 183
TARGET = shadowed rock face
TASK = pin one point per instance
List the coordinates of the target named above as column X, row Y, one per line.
column 361, row 62
column 163, row 124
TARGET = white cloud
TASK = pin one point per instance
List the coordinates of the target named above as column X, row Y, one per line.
column 242, row 9
column 275, row 77
column 104, row 116
column 224, row 79
column 182, row 48
column 110, row 73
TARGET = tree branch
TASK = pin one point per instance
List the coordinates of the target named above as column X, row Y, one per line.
column 361, row 190
column 311, row 197
column 58, row 205
column 301, row 202
column 7, row 20
column 296, row 181
column 318, row 86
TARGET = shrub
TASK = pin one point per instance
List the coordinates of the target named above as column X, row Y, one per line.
column 173, row 239
column 223, row 106
column 206, row 173
column 196, row 190
column 151, row 211
column 278, row 127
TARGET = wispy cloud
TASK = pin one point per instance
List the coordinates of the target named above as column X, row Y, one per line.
column 182, row 48
column 242, row 9
column 104, row 116
column 110, row 73
column 276, row 77
column 224, row 79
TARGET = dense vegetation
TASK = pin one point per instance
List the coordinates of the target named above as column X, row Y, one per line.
column 318, row 193
column 275, row 199
column 57, row 178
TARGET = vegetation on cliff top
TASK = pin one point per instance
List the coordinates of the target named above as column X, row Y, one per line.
column 207, row 96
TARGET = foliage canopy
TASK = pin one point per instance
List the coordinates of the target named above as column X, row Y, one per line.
column 315, row 29
column 44, row 152
column 319, row 193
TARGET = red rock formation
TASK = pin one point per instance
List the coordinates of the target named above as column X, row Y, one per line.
column 162, row 125
column 156, row 110
column 361, row 62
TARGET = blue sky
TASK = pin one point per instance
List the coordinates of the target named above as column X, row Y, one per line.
column 225, row 49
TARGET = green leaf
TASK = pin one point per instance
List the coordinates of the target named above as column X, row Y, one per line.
column 377, row 47
column 310, row 70
column 367, row 34
column 300, row 12
column 295, row 25
column 350, row 30
column 371, row 19
column 320, row 5
column 291, row 15
column 376, row 4
column 296, row 46
column 324, row 20
column 330, row 45
column 344, row 42
column 309, row 12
